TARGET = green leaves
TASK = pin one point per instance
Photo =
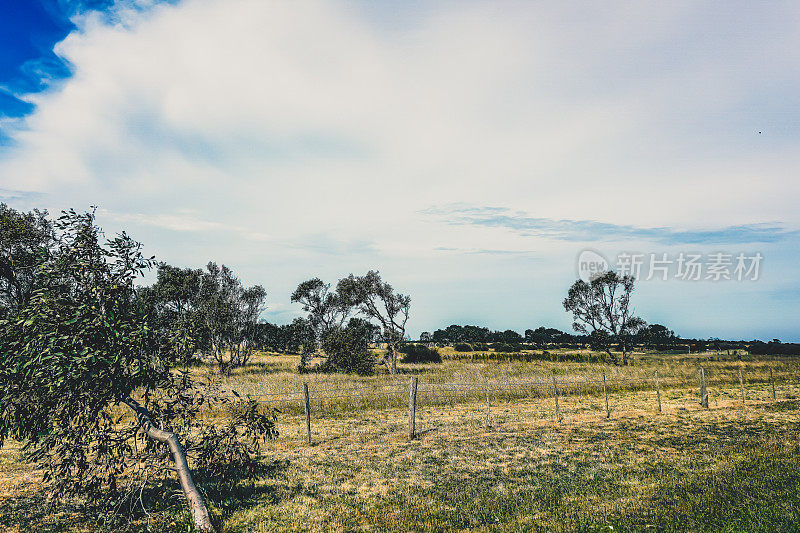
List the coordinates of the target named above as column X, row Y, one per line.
column 75, row 347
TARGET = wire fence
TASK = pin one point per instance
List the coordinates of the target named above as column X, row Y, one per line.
column 558, row 396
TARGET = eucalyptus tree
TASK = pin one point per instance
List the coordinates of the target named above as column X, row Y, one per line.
column 25, row 243
column 172, row 305
column 229, row 314
column 377, row 300
column 602, row 309
column 326, row 308
column 79, row 354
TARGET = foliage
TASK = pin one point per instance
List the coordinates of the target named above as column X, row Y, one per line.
column 209, row 310
column 462, row 347
column 419, row 353
column 326, row 309
column 347, row 350
column 656, row 336
column 480, row 335
column 600, row 341
column 25, row 243
column 300, row 337
column 603, row 306
column 171, row 305
column 229, row 313
column 78, row 345
column 73, row 358
column 542, row 336
column 376, row 299
column 504, row 347
column 229, row 453
column 773, row 347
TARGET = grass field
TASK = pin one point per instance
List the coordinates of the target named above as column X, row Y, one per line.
column 502, row 466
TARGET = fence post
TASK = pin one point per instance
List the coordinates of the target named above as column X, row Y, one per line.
column 658, row 392
column 605, row 393
column 772, row 383
column 741, row 385
column 412, row 407
column 703, row 390
column 555, row 393
column 488, row 404
column 308, row 411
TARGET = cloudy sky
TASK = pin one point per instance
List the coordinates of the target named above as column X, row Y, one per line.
column 468, row 150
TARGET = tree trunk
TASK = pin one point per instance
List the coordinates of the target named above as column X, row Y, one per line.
column 197, row 505
column 390, row 359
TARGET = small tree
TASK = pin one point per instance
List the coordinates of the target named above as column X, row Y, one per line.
column 603, row 306
column 79, row 354
column 229, row 313
column 377, row 300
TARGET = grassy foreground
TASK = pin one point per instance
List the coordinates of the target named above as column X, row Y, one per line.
column 728, row 468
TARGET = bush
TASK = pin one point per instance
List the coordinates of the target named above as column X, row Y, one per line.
column 347, row 350
column 480, row 347
column 462, row 347
column 419, row 353
column 503, row 347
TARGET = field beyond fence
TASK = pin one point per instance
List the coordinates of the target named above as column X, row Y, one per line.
column 555, row 392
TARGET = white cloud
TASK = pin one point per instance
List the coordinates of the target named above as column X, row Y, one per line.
column 263, row 126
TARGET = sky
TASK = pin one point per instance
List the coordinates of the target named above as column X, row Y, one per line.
column 469, row 151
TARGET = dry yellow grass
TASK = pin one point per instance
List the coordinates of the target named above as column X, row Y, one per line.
column 725, row 468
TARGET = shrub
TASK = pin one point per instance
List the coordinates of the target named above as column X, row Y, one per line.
column 480, row 347
column 347, row 350
column 503, row 347
column 462, row 347
column 419, row 353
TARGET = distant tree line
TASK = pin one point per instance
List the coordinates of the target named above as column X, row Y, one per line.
column 652, row 337
column 774, row 347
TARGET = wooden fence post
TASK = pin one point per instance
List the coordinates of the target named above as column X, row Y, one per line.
column 605, row 393
column 308, row 411
column 412, row 407
column 703, row 390
column 555, row 393
column 741, row 385
column 488, row 404
column 772, row 383
column 658, row 392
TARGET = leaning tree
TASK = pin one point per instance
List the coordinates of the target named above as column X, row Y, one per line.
column 93, row 392
column 602, row 309
column 376, row 299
